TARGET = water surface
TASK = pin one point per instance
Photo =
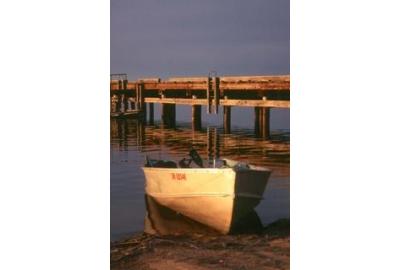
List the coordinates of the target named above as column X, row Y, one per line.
column 131, row 141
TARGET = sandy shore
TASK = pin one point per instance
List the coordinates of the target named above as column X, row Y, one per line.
column 269, row 249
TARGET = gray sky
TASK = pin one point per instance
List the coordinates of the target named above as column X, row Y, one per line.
column 162, row 38
column 191, row 37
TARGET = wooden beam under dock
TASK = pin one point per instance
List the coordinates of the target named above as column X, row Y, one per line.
column 260, row 92
column 223, row 102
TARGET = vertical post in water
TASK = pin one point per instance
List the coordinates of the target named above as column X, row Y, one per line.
column 227, row 119
column 216, row 93
column 164, row 114
column 125, row 102
column 172, row 115
column 118, row 107
column 151, row 113
column 265, row 122
column 142, row 104
column 132, row 103
column 111, row 104
column 257, row 121
column 137, row 96
column 196, row 116
column 168, row 114
column 209, row 100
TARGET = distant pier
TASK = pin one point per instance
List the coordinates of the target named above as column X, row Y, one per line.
column 260, row 92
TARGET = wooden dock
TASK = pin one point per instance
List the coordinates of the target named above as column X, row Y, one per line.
column 260, row 92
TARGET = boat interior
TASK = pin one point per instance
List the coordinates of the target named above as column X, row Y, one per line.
column 195, row 161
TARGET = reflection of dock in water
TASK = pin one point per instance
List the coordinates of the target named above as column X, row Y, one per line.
column 161, row 220
column 176, row 142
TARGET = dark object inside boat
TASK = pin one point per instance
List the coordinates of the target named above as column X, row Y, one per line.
column 183, row 163
column 160, row 163
column 196, row 158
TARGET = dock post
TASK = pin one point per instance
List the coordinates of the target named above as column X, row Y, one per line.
column 112, row 104
column 227, row 119
column 257, row 121
column 209, row 100
column 265, row 122
column 142, row 104
column 125, row 102
column 173, row 115
column 118, row 105
column 215, row 85
column 151, row 113
column 137, row 97
column 131, row 103
column 196, row 117
column 168, row 115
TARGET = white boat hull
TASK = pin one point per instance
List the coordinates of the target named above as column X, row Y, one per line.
column 216, row 197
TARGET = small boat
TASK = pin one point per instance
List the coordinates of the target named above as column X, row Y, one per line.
column 217, row 196
column 127, row 113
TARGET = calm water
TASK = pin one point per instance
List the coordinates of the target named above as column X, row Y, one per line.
column 131, row 141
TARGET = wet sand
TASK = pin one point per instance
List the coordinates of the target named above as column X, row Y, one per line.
column 268, row 249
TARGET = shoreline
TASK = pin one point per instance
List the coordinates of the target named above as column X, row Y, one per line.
column 269, row 249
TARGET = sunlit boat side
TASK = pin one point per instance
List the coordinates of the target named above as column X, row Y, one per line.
column 216, row 197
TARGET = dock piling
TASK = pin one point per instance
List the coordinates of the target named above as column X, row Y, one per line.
column 260, row 92
column 118, row 103
column 257, row 121
column 265, row 122
column 151, row 113
column 227, row 119
column 168, row 115
column 196, row 117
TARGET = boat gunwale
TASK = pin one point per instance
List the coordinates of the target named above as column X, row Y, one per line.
column 252, row 168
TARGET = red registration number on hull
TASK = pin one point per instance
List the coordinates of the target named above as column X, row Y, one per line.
column 178, row 176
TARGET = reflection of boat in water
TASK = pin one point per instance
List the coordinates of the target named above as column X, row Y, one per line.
column 217, row 197
column 161, row 220
column 164, row 221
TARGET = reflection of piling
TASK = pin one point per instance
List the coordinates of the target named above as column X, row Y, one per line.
column 169, row 115
column 216, row 144
column 140, row 132
column 209, row 145
column 213, row 144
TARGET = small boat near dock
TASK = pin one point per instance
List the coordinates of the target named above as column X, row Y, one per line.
column 217, row 196
column 127, row 114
